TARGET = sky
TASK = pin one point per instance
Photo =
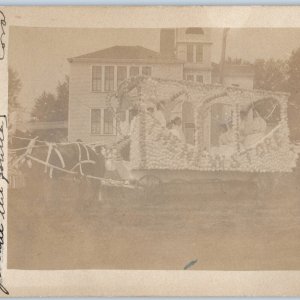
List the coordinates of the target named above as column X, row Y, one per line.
column 39, row 55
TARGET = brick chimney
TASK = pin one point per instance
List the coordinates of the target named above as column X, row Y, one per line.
column 167, row 43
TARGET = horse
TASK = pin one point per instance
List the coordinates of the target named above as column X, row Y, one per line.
column 54, row 163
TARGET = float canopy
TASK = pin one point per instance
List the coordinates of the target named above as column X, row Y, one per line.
column 141, row 89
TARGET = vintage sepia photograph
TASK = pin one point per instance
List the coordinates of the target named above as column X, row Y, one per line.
column 153, row 148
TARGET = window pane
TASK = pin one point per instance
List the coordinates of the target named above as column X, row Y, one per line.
column 121, row 74
column 199, row 53
column 134, row 71
column 96, row 121
column 109, row 78
column 190, row 77
column 146, row 71
column 190, row 53
column 108, row 121
column 96, row 78
column 199, row 78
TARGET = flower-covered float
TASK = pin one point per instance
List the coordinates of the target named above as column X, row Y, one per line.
column 229, row 132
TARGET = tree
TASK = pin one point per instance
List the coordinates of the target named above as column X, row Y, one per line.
column 45, row 108
column 270, row 75
column 293, row 86
column 49, row 107
column 62, row 99
column 14, row 88
column 294, row 72
column 223, row 54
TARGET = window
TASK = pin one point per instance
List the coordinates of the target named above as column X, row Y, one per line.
column 146, row 71
column 133, row 71
column 199, row 53
column 199, row 78
column 121, row 74
column 109, row 78
column 108, row 122
column 96, row 78
column 96, row 121
column 190, row 53
column 190, row 77
column 194, row 30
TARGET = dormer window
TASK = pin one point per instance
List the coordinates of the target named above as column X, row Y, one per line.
column 199, row 53
column 194, row 53
column 190, row 53
column 194, row 30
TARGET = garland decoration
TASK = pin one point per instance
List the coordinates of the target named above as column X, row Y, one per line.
column 155, row 147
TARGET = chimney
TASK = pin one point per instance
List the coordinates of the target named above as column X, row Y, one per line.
column 167, row 43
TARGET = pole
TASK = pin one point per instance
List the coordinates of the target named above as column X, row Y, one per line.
column 223, row 55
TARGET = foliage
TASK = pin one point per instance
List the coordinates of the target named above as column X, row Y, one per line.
column 293, row 84
column 45, row 108
column 49, row 107
column 279, row 75
column 294, row 72
column 62, row 99
column 14, row 88
column 270, row 75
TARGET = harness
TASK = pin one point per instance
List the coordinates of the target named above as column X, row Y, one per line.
column 27, row 156
column 52, row 147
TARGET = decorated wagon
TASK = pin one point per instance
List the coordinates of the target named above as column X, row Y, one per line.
column 229, row 133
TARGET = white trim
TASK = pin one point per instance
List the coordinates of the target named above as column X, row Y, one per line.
column 116, row 77
column 102, row 121
column 102, row 82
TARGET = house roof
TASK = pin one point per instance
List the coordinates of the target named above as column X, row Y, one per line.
column 126, row 53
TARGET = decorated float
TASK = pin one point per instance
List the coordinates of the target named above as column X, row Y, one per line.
column 178, row 132
column 229, row 133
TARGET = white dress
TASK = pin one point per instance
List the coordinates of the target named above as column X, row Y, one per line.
column 258, row 131
column 159, row 116
column 177, row 131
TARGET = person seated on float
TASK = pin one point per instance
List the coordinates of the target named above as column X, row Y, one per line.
column 243, row 125
column 177, row 129
column 134, row 113
column 170, row 125
column 257, row 128
column 124, row 128
column 227, row 136
column 159, row 114
column 226, row 140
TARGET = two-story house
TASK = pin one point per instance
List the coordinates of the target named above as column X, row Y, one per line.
column 185, row 53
